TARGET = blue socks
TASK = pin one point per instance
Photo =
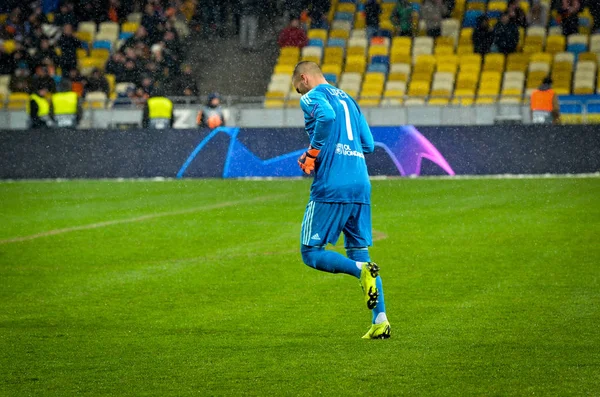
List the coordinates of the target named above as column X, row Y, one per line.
column 332, row 262
column 329, row 261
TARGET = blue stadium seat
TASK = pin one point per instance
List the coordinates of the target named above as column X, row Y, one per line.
column 332, row 78
column 102, row 44
column 576, row 49
column 384, row 33
column 344, row 16
column 315, row 42
column 125, row 35
column 494, row 14
column 384, row 59
column 470, row 20
column 378, row 67
column 335, row 42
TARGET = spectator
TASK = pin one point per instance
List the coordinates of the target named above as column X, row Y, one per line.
column 595, row 11
column 450, row 4
column 76, row 82
column 39, row 109
column 45, row 51
column 211, row 115
column 538, row 14
column 21, row 58
column 116, row 65
column 293, row 35
column 483, row 36
column 7, row 65
column 20, row 80
column 318, row 13
column 158, row 112
column 544, row 104
column 150, row 20
column 34, row 38
column 249, row 11
column 96, row 82
column 292, row 9
column 172, row 51
column 43, row 80
column 139, row 37
column 68, row 46
column 506, row 35
column 432, row 12
column 115, row 13
column 569, row 10
column 372, row 13
column 130, row 73
column 516, row 13
column 147, row 85
column 185, row 84
column 66, row 15
column 401, row 18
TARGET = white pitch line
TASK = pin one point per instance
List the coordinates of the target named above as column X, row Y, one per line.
column 136, row 219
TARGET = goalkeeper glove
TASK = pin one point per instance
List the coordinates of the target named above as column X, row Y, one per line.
column 307, row 160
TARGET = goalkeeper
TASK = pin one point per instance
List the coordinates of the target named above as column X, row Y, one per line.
column 340, row 193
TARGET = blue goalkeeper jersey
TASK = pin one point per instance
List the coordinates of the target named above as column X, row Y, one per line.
column 336, row 126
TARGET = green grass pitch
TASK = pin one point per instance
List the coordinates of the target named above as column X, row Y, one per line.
column 196, row 287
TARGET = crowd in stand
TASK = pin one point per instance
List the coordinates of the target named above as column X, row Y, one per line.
column 503, row 37
column 151, row 59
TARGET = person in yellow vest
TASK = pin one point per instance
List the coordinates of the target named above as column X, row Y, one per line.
column 38, row 109
column 66, row 108
column 211, row 115
column 158, row 112
column 545, row 108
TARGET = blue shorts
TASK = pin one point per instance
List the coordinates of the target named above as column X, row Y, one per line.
column 323, row 223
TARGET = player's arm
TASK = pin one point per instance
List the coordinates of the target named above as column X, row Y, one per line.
column 316, row 105
column 366, row 137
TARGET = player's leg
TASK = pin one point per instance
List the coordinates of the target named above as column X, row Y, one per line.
column 357, row 236
column 323, row 224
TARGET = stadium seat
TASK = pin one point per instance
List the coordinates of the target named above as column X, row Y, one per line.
column 311, row 51
column 451, row 28
column 273, row 103
column 284, row 69
column 336, row 42
column 494, row 62
column 359, row 33
column 555, row 44
column 418, row 88
column 317, row 34
column 595, row 43
column 414, row 102
column 355, row 64
column 470, row 19
column 18, row 101
column 339, row 34
column 135, row 17
column 399, row 72
column 369, row 102
column 438, row 101
column 441, row 88
column 333, row 55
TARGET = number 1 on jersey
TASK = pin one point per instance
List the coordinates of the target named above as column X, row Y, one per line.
column 348, row 123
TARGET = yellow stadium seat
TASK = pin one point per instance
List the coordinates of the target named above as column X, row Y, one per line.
column 485, row 100
column 317, row 34
column 466, row 36
column 18, row 101
column 85, row 36
column 339, row 34
column 541, row 57
column 359, row 21
column 10, row 46
column 400, row 57
column 355, row 64
column 356, row 51
column 346, row 7
column 494, row 62
column 334, row 55
column 290, row 51
column 292, row 103
column 438, row 102
column 81, row 53
column 368, row 102
column 398, row 76
column 111, row 82
column 443, row 50
column 129, row 27
column 462, row 100
column 555, row 44
column 394, row 94
column 273, row 103
column 285, row 60
column 311, row 58
column 418, row 88
column 100, row 53
column 333, row 69
column 496, row 5
column 464, row 49
column 375, row 50
column 588, row 56
column 374, row 77
column 284, row 69
column 402, row 44
column 276, row 94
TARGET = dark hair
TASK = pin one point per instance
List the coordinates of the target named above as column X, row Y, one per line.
column 547, row 80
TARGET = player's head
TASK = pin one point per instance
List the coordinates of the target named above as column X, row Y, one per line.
column 307, row 75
